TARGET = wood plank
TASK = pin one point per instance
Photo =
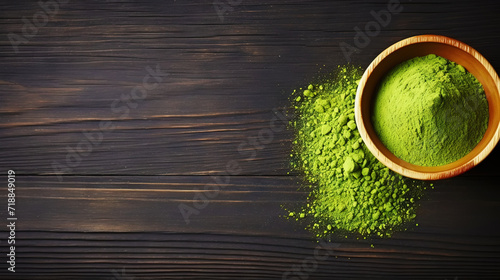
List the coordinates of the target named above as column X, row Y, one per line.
column 89, row 226
column 236, row 204
column 174, row 255
column 225, row 78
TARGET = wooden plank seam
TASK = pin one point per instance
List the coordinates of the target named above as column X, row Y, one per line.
column 248, row 148
column 122, row 105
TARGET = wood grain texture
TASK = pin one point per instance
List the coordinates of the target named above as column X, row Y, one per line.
column 89, row 226
column 225, row 77
column 115, row 214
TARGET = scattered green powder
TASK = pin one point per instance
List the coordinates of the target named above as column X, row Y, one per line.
column 430, row 111
column 350, row 190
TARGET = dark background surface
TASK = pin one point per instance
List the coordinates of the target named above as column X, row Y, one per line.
column 114, row 214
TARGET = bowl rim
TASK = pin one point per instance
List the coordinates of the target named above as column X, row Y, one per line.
column 441, row 173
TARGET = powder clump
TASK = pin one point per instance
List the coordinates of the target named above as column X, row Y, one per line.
column 350, row 190
column 430, row 111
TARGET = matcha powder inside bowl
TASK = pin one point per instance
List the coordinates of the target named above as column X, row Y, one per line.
column 350, row 191
column 430, row 111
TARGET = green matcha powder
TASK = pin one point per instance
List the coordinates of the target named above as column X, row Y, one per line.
column 430, row 111
column 350, row 191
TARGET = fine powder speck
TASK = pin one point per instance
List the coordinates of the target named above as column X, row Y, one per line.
column 349, row 189
column 430, row 111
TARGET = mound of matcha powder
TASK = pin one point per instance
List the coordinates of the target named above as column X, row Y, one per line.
column 350, row 190
column 430, row 111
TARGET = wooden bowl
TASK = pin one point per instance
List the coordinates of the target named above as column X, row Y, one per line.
column 450, row 49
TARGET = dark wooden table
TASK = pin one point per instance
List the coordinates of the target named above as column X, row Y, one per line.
column 114, row 113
